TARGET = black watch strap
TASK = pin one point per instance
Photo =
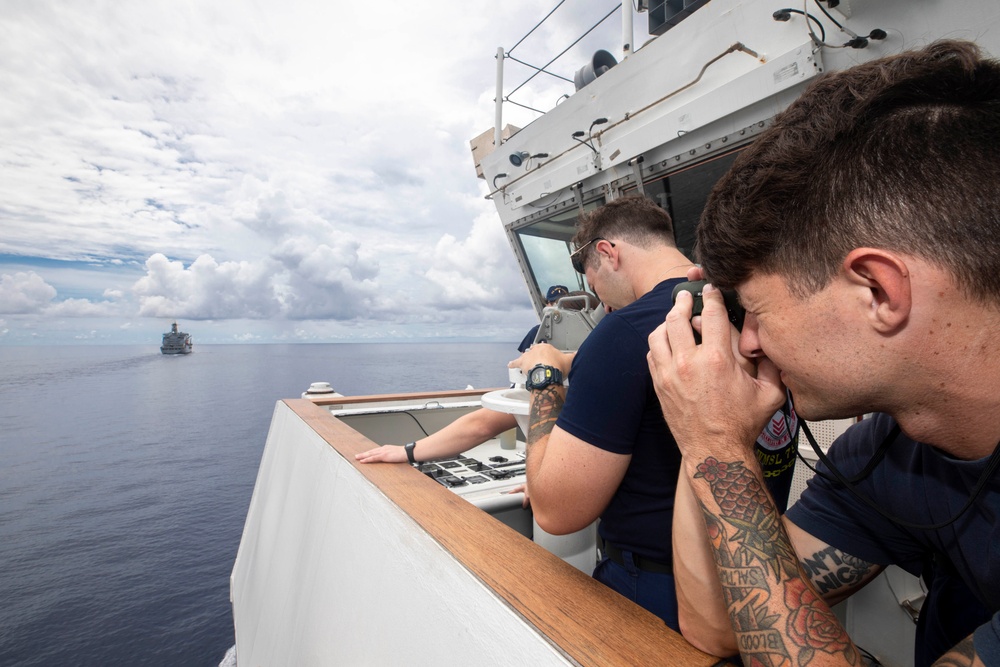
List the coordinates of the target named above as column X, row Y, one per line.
column 409, row 452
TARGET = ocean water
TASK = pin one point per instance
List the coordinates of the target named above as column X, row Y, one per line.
column 125, row 477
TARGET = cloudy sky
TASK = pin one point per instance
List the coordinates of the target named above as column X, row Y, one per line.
column 262, row 171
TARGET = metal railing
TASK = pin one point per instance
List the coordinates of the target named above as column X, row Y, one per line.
column 502, row 55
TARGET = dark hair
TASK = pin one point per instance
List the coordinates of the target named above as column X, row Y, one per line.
column 637, row 220
column 901, row 153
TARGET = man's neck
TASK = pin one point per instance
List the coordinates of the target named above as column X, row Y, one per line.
column 954, row 403
column 659, row 265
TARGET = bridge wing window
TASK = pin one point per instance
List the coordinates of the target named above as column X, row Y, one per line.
column 547, row 247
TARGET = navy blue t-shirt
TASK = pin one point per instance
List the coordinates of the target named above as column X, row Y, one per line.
column 611, row 404
column 919, row 484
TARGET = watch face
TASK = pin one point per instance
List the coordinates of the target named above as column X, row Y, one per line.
column 538, row 375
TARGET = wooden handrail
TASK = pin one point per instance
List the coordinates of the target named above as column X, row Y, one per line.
column 415, row 396
column 584, row 619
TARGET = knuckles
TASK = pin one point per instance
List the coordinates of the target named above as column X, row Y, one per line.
column 675, row 315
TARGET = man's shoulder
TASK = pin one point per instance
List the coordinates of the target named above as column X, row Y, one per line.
column 648, row 311
column 615, row 334
column 611, row 326
column 615, row 345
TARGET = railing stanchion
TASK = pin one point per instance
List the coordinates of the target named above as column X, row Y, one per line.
column 498, row 121
column 627, row 35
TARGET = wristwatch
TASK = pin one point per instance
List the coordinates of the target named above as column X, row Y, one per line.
column 542, row 376
column 409, row 452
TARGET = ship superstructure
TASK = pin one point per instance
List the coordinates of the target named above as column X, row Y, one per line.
column 176, row 342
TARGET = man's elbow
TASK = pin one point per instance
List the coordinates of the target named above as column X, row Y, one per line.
column 556, row 522
column 714, row 640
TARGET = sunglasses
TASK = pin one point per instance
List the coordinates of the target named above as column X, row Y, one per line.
column 576, row 259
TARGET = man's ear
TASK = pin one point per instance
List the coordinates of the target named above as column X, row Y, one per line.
column 604, row 247
column 885, row 278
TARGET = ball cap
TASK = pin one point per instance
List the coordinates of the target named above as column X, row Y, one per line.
column 555, row 292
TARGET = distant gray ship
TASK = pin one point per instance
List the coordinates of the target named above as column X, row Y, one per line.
column 176, row 342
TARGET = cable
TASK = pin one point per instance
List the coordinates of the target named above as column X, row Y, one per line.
column 869, row 467
column 822, row 42
column 835, row 22
column 521, row 62
column 426, row 434
column 576, row 136
column 785, row 14
column 523, row 106
column 872, row 660
column 555, row 198
column 855, row 42
column 536, row 27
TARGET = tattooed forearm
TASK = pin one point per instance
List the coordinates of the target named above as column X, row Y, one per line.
column 743, row 504
column 546, row 404
column 777, row 617
column 962, row 655
column 832, row 569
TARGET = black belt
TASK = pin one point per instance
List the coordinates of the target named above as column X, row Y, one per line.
column 641, row 562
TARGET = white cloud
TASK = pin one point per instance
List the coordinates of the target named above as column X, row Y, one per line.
column 328, row 282
column 24, row 293
column 299, row 281
column 82, row 308
column 27, row 293
column 206, row 289
column 475, row 272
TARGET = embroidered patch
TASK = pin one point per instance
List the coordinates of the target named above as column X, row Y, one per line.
column 778, row 432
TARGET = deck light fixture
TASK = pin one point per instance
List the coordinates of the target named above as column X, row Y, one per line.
column 589, row 142
column 518, row 158
column 580, row 133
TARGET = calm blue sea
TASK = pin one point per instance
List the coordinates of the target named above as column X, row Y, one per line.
column 125, row 477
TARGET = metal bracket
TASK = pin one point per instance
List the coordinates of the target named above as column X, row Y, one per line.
column 578, row 195
column 636, row 164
